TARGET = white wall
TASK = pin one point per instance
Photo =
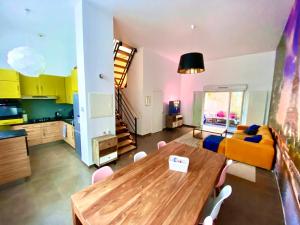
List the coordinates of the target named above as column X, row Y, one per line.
column 94, row 44
column 151, row 72
column 255, row 70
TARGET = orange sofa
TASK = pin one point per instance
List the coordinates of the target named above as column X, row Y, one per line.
column 257, row 154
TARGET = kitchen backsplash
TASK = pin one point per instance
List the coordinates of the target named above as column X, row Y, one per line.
column 39, row 108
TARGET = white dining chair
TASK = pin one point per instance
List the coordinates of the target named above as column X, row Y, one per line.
column 208, row 221
column 139, row 156
column 213, row 208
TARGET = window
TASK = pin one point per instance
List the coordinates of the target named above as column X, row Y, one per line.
column 223, row 109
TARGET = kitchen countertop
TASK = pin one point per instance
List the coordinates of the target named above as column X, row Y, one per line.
column 67, row 120
column 12, row 133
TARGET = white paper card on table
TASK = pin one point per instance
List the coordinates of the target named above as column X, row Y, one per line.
column 179, row 163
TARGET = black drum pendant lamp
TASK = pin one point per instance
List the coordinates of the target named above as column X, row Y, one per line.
column 191, row 63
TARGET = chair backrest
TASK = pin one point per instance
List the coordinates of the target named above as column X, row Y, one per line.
column 208, row 221
column 225, row 193
column 222, row 177
column 161, row 144
column 101, row 173
column 139, row 156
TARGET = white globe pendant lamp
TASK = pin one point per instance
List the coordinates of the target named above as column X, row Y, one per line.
column 26, row 61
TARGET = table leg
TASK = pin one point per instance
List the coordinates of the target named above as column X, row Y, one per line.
column 76, row 221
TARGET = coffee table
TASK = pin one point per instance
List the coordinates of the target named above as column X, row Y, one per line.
column 214, row 130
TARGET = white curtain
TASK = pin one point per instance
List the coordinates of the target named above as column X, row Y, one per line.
column 198, row 104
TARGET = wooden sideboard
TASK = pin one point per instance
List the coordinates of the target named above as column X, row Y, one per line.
column 173, row 121
column 105, row 149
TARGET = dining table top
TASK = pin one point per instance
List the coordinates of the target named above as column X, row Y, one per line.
column 147, row 192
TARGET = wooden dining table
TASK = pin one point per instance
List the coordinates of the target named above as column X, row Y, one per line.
column 147, row 192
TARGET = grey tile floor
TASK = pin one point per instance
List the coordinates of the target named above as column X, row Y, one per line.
column 45, row 198
column 57, row 173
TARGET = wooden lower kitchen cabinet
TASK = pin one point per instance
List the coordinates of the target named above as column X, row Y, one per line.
column 34, row 133
column 14, row 159
column 52, row 131
column 69, row 136
column 41, row 133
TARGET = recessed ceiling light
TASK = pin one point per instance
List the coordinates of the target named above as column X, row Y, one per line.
column 193, row 26
column 41, row 35
column 27, row 10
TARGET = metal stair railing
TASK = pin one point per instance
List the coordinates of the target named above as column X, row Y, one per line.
column 126, row 113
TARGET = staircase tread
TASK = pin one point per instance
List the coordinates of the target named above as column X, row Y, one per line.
column 122, row 135
column 125, row 143
column 126, row 149
column 121, row 127
column 123, row 52
column 119, row 66
column 121, row 59
column 117, row 72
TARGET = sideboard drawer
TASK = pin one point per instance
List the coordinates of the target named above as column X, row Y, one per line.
column 107, row 158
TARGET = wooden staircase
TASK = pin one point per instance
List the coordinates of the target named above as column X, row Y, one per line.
column 123, row 55
column 125, row 139
column 126, row 121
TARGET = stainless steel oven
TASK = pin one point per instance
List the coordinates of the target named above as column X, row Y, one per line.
column 10, row 109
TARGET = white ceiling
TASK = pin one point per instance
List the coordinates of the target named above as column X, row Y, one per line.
column 224, row 27
column 53, row 18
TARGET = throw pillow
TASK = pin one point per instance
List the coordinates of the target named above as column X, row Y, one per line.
column 252, row 130
column 254, row 139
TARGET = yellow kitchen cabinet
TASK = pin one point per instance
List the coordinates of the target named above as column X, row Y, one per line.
column 9, row 89
column 48, row 85
column 30, row 86
column 44, row 85
column 69, row 92
column 74, row 80
column 60, row 90
column 9, row 84
column 9, row 75
column 71, row 84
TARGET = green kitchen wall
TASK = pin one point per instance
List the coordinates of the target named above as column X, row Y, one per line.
column 39, row 108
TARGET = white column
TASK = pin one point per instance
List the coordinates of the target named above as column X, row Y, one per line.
column 94, row 49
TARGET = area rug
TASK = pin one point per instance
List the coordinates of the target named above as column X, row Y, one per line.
column 237, row 169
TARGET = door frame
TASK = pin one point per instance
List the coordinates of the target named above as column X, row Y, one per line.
column 229, row 103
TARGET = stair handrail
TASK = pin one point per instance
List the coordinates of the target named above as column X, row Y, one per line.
column 124, row 97
column 122, row 108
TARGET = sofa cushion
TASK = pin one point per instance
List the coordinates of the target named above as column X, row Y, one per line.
column 252, row 130
column 212, row 142
column 255, row 139
column 240, row 136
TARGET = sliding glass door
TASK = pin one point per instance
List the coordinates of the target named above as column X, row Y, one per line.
column 222, row 110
